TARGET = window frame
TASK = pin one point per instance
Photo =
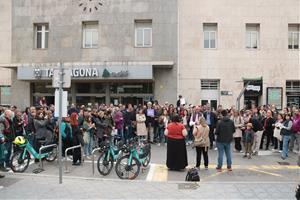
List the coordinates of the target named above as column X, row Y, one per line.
column 43, row 35
column 143, row 31
column 251, row 39
column 209, row 39
column 293, row 39
column 91, row 30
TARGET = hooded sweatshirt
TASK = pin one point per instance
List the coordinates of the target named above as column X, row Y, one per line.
column 224, row 131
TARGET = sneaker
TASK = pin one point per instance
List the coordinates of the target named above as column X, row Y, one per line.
column 280, row 151
column 2, row 168
column 241, row 151
column 249, row 157
column 255, row 153
column 158, row 144
column 283, row 158
column 219, row 169
column 229, row 168
column 206, row 167
column 245, row 156
column 216, row 149
column 2, row 176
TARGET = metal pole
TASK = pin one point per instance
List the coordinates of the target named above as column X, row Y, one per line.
column 59, row 122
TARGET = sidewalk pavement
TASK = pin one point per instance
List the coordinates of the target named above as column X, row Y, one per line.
column 20, row 186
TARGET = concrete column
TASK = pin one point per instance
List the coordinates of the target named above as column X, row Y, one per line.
column 20, row 91
column 107, row 93
column 73, row 93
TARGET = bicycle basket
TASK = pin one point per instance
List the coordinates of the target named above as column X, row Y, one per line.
column 146, row 151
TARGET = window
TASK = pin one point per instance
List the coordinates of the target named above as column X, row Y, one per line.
column 41, row 36
column 143, row 33
column 90, row 35
column 293, row 36
column 209, row 84
column 210, row 35
column 252, row 36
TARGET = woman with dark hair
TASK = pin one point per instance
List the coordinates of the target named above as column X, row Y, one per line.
column 286, row 132
column 176, row 149
column 77, row 138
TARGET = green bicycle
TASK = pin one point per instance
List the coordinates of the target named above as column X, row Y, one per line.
column 128, row 166
column 21, row 158
column 110, row 153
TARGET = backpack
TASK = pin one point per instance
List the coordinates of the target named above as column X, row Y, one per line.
column 68, row 132
column 192, row 175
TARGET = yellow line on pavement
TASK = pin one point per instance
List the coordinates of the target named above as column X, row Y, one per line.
column 160, row 173
column 264, row 172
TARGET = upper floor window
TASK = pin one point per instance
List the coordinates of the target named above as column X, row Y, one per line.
column 293, row 36
column 210, row 35
column 252, row 36
column 143, row 33
column 41, row 36
column 209, row 84
column 90, row 34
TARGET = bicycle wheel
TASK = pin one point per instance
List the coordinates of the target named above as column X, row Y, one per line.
column 105, row 163
column 52, row 155
column 125, row 171
column 17, row 164
column 147, row 160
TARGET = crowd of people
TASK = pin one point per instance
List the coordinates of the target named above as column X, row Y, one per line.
column 174, row 126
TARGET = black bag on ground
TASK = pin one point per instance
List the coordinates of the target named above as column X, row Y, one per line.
column 192, row 175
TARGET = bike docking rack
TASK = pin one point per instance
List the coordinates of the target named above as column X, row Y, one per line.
column 66, row 156
column 93, row 159
column 41, row 166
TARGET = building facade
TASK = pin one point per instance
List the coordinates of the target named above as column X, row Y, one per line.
column 117, row 51
column 232, row 48
column 226, row 52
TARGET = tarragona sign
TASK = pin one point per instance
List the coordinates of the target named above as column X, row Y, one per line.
column 86, row 72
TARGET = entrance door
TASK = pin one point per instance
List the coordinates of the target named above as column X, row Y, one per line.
column 250, row 100
column 213, row 103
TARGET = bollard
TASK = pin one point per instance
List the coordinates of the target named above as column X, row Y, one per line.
column 40, row 152
column 66, row 156
column 93, row 159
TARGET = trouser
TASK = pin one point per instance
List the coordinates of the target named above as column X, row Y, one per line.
column 150, row 133
column 224, row 147
column 211, row 136
column 257, row 141
column 161, row 132
column 270, row 138
column 285, row 145
column 128, row 133
column 204, row 151
column 7, row 152
column 295, row 138
column 237, row 143
column 248, row 147
column 275, row 142
column 2, row 156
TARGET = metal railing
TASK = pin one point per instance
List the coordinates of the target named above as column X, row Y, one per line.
column 66, row 156
column 93, row 159
column 40, row 153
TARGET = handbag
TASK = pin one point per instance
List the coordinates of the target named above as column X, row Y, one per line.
column 86, row 137
column 200, row 141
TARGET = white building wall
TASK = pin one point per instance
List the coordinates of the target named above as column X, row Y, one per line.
column 231, row 60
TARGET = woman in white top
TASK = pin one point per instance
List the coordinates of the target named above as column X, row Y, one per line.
column 202, row 142
column 239, row 124
column 141, row 129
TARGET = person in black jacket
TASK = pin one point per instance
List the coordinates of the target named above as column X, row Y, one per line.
column 224, row 132
column 258, row 129
column 77, row 138
column 211, row 119
column 269, row 124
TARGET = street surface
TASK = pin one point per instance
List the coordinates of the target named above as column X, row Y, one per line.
column 265, row 176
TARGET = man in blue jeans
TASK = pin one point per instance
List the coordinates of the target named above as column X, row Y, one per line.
column 224, row 132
